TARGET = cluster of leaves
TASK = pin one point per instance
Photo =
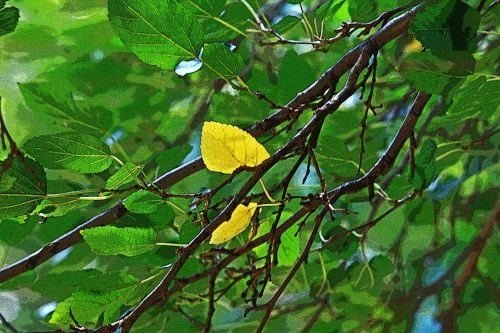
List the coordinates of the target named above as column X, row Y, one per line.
column 111, row 109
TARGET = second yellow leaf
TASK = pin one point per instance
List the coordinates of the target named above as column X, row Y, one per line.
column 239, row 221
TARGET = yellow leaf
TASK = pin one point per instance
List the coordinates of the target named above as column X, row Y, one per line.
column 225, row 148
column 239, row 221
column 413, row 46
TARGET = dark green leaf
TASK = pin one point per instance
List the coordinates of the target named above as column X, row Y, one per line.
column 8, row 19
column 59, row 104
column 23, row 186
column 448, row 25
column 363, row 10
column 437, row 75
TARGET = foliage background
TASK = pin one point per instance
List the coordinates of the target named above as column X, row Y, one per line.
column 65, row 69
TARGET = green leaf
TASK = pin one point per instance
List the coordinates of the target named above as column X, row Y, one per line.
column 289, row 249
column 344, row 245
column 88, row 307
column 207, row 7
column 61, row 205
column 8, row 18
column 476, row 99
column 221, row 61
column 126, row 174
column 295, row 75
column 159, row 32
column 58, row 103
column 94, row 303
column 74, row 151
column 23, row 186
column 221, row 22
column 109, row 240
column 362, row 10
column 286, row 23
column 143, row 202
column 61, row 285
column 437, row 75
column 424, row 164
column 12, row 232
column 426, row 153
column 172, row 157
column 448, row 25
column 174, row 122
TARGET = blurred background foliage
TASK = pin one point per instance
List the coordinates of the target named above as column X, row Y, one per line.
column 65, row 69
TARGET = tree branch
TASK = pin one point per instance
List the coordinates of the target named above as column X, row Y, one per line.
column 474, row 251
column 390, row 31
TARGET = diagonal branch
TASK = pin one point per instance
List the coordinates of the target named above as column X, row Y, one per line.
column 162, row 293
column 390, row 31
column 474, row 251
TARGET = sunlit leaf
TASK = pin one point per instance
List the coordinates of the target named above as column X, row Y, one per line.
column 289, row 249
column 125, row 175
column 239, row 221
column 225, row 148
column 89, row 306
column 159, row 32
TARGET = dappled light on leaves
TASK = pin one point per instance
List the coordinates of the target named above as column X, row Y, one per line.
column 225, row 148
column 239, row 221
column 132, row 196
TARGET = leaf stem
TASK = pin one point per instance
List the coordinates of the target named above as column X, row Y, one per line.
column 71, row 193
column 152, row 277
column 97, row 198
column 266, row 192
column 170, row 244
column 270, row 205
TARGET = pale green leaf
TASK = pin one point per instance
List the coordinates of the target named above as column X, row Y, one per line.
column 87, row 307
column 143, row 202
column 61, row 205
column 289, row 249
column 110, row 240
column 126, row 174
